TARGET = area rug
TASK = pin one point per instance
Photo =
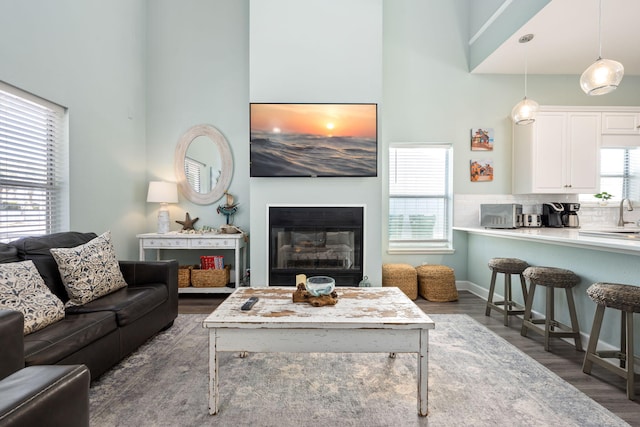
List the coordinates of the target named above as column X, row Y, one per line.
column 476, row 378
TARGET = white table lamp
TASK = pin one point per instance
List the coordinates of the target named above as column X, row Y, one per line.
column 163, row 193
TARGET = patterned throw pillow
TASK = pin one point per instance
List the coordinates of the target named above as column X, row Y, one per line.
column 22, row 289
column 89, row 271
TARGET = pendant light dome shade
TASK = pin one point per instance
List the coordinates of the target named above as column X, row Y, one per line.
column 524, row 113
column 603, row 76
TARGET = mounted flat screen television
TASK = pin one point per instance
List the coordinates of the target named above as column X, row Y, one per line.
column 314, row 140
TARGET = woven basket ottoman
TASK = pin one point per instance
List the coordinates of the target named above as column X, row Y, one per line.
column 403, row 276
column 437, row 283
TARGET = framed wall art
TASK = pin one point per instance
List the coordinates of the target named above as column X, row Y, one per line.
column 482, row 139
column 481, row 170
column 313, row 140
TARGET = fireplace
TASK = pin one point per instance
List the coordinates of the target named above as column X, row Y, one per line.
column 316, row 241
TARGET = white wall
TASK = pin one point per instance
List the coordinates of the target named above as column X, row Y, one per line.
column 88, row 56
column 315, row 51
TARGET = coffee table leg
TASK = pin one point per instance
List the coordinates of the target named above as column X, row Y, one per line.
column 213, row 374
column 423, row 373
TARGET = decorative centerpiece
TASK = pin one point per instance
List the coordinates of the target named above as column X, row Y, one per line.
column 317, row 291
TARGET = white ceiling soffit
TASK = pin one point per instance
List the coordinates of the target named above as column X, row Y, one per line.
column 566, row 39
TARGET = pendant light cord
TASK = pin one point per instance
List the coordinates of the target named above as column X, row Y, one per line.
column 600, row 29
column 525, row 70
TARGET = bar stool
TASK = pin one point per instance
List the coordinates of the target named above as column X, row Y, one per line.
column 551, row 278
column 625, row 298
column 507, row 307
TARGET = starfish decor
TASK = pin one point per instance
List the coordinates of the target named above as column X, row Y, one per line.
column 188, row 223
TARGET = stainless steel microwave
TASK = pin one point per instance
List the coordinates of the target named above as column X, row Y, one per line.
column 505, row 215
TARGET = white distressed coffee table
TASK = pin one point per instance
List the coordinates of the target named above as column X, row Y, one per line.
column 365, row 320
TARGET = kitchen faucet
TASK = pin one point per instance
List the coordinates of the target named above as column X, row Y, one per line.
column 621, row 221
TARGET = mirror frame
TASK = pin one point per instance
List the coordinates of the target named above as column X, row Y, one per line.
column 226, row 164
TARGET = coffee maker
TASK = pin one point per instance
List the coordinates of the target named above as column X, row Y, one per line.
column 552, row 214
column 570, row 215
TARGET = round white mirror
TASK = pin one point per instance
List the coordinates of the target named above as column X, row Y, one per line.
column 203, row 164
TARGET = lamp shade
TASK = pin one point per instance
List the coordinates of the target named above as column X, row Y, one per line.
column 603, row 76
column 162, row 192
column 524, row 112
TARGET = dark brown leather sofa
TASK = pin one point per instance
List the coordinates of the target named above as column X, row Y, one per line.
column 102, row 332
column 38, row 395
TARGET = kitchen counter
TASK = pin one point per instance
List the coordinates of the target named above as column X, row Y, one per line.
column 561, row 236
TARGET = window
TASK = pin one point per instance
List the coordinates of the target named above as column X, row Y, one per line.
column 33, row 172
column 420, row 202
column 619, row 173
column 192, row 169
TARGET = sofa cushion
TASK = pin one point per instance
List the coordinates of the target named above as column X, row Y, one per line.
column 37, row 250
column 50, row 345
column 89, row 271
column 22, row 289
column 128, row 304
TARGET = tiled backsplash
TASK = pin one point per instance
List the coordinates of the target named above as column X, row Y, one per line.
column 466, row 208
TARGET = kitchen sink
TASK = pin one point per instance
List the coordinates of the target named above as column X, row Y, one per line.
column 613, row 232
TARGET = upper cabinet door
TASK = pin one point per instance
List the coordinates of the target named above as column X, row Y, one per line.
column 558, row 154
column 583, row 144
column 620, row 123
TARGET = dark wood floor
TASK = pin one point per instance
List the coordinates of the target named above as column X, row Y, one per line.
column 603, row 387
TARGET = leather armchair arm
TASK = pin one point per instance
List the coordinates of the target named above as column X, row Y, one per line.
column 11, row 342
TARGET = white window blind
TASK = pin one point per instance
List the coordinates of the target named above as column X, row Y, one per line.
column 193, row 172
column 419, row 196
column 619, row 173
column 33, row 171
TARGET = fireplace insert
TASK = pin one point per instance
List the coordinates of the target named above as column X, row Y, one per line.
column 316, row 241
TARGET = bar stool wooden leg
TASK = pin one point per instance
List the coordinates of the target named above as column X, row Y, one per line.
column 523, row 284
column 574, row 319
column 507, row 298
column 527, row 310
column 492, row 288
column 593, row 339
column 630, row 365
column 549, row 317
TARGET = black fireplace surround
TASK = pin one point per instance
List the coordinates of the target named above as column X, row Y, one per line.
column 316, row 241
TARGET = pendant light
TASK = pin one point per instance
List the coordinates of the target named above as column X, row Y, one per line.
column 524, row 113
column 604, row 75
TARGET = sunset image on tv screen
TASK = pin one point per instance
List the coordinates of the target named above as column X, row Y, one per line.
column 313, row 140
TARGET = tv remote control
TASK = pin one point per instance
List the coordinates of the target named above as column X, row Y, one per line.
column 250, row 302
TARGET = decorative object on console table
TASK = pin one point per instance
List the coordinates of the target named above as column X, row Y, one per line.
column 229, row 209
column 163, row 193
column 188, row 223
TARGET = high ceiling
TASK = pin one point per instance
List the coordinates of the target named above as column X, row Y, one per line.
column 566, row 39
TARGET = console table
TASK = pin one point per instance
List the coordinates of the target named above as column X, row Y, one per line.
column 207, row 241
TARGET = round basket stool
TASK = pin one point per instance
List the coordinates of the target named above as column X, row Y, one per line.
column 625, row 298
column 403, row 276
column 551, row 278
column 507, row 307
column 437, row 283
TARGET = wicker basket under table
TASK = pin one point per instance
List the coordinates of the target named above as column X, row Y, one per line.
column 437, row 283
column 403, row 276
column 210, row 278
column 184, row 276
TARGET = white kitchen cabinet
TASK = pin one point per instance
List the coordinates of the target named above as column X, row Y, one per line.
column 558, row 154
column 621, row 123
